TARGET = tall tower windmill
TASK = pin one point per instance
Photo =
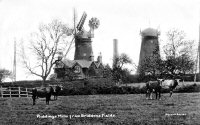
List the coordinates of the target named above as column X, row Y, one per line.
column 83, row 42
column 149, row 46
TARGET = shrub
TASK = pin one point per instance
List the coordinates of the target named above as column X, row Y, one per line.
column 189, row 88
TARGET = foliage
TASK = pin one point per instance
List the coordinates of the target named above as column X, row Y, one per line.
column 107, row 71
column 118, row 71
column 4, row 73
column 44, row 45
column 179, row 53
column 152, row 66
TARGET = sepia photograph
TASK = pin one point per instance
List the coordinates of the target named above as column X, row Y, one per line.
column 99, row 62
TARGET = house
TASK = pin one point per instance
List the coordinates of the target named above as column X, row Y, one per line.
column 79, row 69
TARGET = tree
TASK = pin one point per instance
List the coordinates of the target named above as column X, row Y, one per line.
column 178, row 52
column 107, row 71
column 185, row 64
column 152, row 65
column 44, row 45
column 4, row 73
column 118, row 71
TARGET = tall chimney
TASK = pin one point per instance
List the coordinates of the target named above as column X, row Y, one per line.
column 115, row 51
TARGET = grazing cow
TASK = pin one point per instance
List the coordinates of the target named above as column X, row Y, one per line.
column 56, row 91
column 42, row 92
column 153, row 86
column 34, row 95
column 170, row 84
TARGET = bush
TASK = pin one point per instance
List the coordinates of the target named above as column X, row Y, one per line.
column 189, row 88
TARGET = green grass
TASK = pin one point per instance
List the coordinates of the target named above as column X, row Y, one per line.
column 131, row 109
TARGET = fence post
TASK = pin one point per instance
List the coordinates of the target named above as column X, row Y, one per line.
column 10, row 91
column 1, row 92
column 19, row 92
column 26, row 92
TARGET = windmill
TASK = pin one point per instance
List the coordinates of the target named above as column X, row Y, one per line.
column 82, row 38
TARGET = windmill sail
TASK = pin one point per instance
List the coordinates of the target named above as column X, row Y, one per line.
column 81, row 22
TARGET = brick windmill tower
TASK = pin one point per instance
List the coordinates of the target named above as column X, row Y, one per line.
column 83, row 41
column 149, row 46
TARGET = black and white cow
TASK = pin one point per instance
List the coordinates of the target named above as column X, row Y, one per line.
column 170, row 84
column 156, row 87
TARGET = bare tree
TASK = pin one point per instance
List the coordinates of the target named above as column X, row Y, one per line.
column 122, row 60
column 177, row 44
column 178, row 52
column 4, row 73
column 44, row 46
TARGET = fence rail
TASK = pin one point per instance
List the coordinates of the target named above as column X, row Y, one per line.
column 15, row 92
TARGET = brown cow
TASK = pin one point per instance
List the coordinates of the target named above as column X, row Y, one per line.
column 153, row 87
column 42, row 92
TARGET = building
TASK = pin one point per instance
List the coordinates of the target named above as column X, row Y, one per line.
column 83, row 46
column 83, row 65
column 149, row 46
column 79, row 69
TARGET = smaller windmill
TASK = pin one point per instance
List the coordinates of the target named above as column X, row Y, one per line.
column 83, row 42
column 80, row 35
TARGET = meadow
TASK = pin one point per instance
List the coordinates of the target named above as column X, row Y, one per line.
column 125, row 109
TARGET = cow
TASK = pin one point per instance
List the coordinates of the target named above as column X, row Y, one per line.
column 156, row 87
column 153, row 87
column 56, row 91
column 170, row 84
column 42, row 92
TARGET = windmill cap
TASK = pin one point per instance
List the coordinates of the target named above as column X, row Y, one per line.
column 150, row 32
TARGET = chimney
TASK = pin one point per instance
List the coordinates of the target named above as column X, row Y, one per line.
column 91, row 58
column 115, row 50
column 59, row 55
column 99, row 59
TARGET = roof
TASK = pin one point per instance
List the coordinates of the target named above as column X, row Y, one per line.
column 97, row 64
column 150, row 32
column 84, row 63
column 71, row 63
column 68, row 63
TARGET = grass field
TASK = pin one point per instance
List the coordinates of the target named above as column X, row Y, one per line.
column 133, row 109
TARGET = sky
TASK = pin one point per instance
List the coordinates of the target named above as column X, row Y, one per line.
column 122, row 20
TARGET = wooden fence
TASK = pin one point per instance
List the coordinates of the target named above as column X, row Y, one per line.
column 15, row 92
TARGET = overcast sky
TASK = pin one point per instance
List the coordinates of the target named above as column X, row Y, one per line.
column 119, row 19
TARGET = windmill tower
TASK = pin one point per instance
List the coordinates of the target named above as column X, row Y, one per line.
column 149, row 46
column 83, row 41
